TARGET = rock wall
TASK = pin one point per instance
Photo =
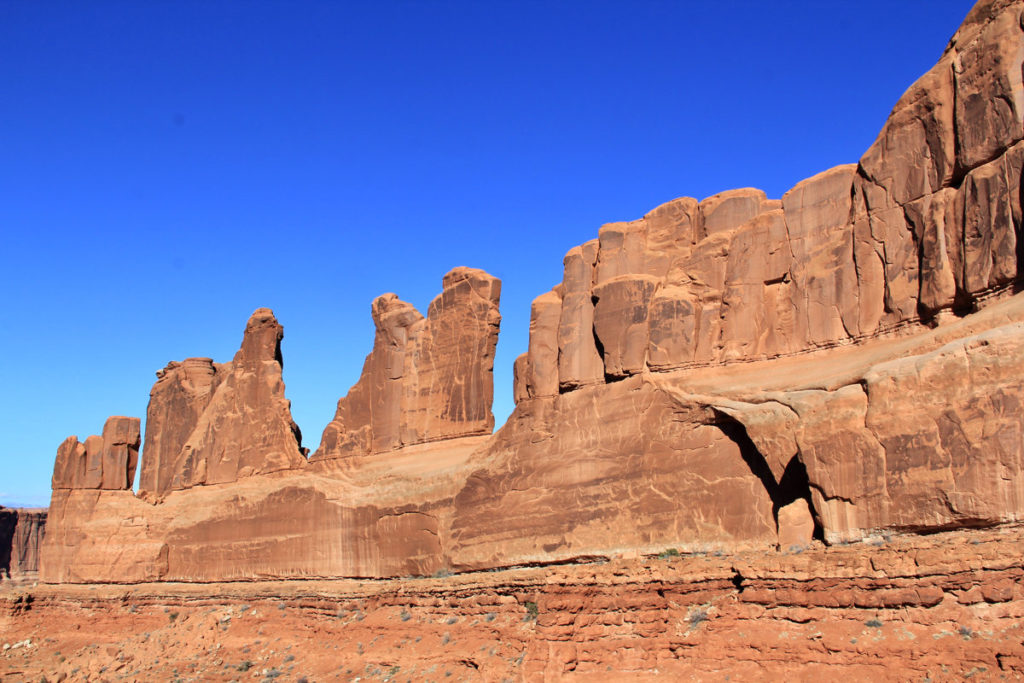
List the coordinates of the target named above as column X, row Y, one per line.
column 103, row 462
column 927, row 222
column 21, row 535
column 210, row 423
column 426, row 379
column 941, row 607
column 727, row 374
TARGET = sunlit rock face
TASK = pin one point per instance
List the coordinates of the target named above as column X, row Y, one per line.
column 732, row 373
column 426, row 379
column 214, row 423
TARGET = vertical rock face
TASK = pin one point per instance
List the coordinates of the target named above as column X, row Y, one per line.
column 927, row 221
column 579, row 362
column 659, row 403
column 179, row 397
column 426, row 379
column 8, row 521
column 103, row 462
column 210, row 423
column 21, row 536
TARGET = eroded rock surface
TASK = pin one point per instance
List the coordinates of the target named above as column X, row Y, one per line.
column 103, row 462
column 719, row 375
column 926, row 222
column 943, row 606
column 426, row 379
column 21, row 536
column 210, row 423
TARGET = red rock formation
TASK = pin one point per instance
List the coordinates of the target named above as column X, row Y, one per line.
column 21, row 535
column 924, row 223
column 102, row 462
column 178, row 399
column 733, row 373
column 426, row 378
column 211, row 423
column 943, row 606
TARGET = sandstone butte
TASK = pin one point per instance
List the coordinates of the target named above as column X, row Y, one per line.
column 814, row 401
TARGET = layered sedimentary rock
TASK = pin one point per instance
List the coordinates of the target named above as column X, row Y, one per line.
column 21, row 535
column 738, row 372
column 210, row 423
column 943, row 606
column 426, row 378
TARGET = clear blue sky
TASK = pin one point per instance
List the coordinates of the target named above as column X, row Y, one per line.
column 168, row 167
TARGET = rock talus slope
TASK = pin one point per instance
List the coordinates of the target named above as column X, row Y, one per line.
column 733, row 373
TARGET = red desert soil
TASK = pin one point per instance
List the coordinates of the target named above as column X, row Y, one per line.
column 948, row 606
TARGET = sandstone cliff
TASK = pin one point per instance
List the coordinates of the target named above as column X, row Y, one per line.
column 426, row 379
column 21, row 535
column 102, row 462
column 944, row 607
column 210, row 423
column 733, row 373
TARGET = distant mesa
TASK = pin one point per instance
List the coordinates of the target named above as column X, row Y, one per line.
column 21, row 537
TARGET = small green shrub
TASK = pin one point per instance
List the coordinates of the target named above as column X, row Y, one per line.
column 531, row 611
column 873, row 623
column 668, row 554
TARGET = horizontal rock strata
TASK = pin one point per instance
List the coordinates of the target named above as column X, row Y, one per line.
column 945, row 606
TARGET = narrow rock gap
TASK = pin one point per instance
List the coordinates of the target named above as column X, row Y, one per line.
column 608, row 379
column 737, row 580
column 1018, row 283
column 794, row 483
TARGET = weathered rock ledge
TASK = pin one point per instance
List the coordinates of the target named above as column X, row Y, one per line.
column 947, row 606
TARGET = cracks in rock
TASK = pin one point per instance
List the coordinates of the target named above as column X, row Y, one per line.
column 1018, row 283
column 826, row 496
column 608, row 379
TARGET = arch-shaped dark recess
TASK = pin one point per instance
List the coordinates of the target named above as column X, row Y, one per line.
column 794, row 483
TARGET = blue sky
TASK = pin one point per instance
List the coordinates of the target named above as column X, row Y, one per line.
column 168, row 167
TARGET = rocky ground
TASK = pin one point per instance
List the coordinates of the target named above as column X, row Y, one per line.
column 947, row 606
